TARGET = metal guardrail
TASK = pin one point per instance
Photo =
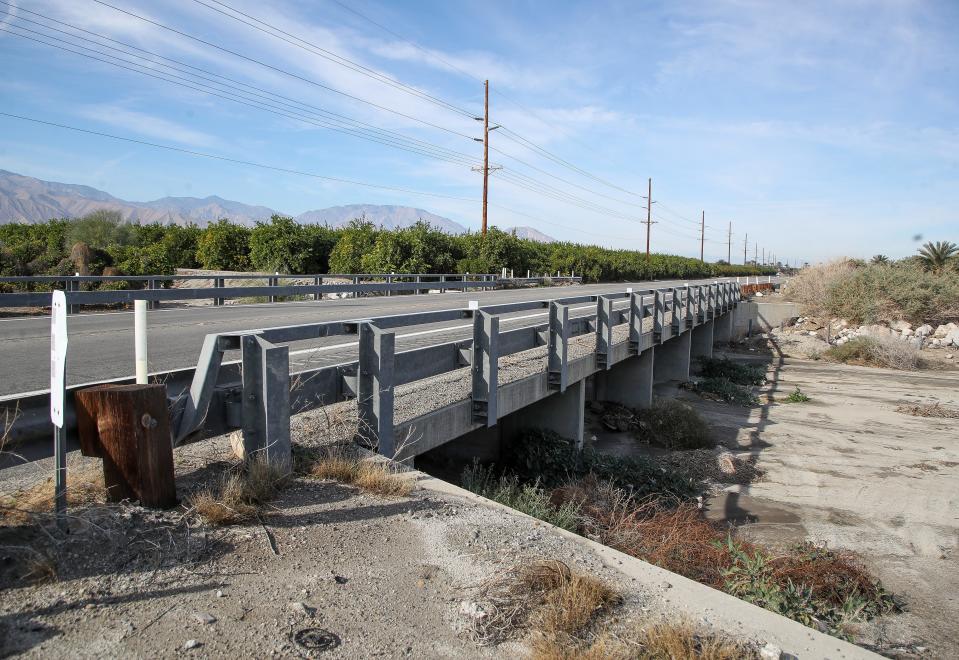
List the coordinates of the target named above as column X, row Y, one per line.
column 258, row 394
column 390, row 283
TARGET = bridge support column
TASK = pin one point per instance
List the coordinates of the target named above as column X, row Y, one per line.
column 629, row 382
column 562, row 412
column 723, row 327
column 671, row 359
column 702, row 339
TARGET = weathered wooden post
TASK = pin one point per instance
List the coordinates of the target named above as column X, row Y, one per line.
column 128, row 427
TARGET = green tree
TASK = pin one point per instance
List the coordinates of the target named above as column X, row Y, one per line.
column 356, row 240
column 224, row 246
column 880, row 259
column 100, row 229
column 936, row 256
column 280, row 245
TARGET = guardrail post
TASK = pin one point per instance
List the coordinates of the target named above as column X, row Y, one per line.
column 690, row 317
column 635, row 323
column 389, row 280
column 485, row 367
column 374, row 388
column 442, row 282
column 558, row 347
column 218, row 284
column 356, row 280
column 659, row 315
column 604, row 332
column 677, row 319
column 72, row 285
column 201, row 389
column 152, row 286
column 266, row 400
column 317, row 281
column 272, row 281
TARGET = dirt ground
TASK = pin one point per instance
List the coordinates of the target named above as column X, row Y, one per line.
column 849, row 470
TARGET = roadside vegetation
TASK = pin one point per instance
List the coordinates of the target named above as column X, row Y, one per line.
column 101, row 243
column 875, row 352
column 919, row 289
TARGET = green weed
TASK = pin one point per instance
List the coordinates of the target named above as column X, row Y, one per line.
column 797, row 396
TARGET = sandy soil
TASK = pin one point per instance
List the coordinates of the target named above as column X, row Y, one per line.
column 849, row 470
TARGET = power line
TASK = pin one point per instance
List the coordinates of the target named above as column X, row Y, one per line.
column 276, row 69
column 380, row 136
column 332, row 57
column 339, row 59
column 423, row 148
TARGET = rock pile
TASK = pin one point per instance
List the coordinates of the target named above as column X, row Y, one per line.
column 841, row 331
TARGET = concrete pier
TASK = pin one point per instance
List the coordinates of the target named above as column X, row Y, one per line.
column 629, row 382
column 701, row 340
column 562, row 412
column 671, row 359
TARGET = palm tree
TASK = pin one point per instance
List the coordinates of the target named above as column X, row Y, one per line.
column 937, row 255
column 880, row 259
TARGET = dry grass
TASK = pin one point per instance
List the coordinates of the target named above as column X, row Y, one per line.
column 372, row 475
column 240, row 494
column 936, row 410
column 85, row 487
column 884, row 352
column 811, row 287
column 545, row 597
column 662, row 641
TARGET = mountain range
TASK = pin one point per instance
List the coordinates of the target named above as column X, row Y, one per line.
column 26, row 199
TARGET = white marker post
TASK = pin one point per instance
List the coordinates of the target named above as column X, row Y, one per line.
column 58, row 386
column 140, row 340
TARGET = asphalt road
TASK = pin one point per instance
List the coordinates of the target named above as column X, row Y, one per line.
column 101, row 344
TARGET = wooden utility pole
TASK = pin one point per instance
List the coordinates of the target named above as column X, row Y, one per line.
column 745, row 247
column 756, row 254
column 764, row 256
column 649, row 215
column 702, row 238
column 729, row 247
column 485, row 140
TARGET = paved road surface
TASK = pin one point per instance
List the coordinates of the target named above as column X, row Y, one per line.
column 101, row 345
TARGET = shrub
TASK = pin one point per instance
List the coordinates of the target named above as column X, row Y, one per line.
column 723, row 367
column 553, row 460
column 876, row 352
column 240, row 493
column 527, row 498
column 877, row 292
column 674, row 425
column 723, row 389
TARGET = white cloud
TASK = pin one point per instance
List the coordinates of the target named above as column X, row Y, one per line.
column 146, row 124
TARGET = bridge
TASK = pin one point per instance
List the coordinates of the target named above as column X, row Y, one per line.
column 425, row 377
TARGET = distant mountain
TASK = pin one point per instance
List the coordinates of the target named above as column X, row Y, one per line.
column 532, row 234
column 389, row 217
column 25, row 199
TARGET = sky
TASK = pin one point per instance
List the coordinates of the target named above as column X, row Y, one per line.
column 817, row 129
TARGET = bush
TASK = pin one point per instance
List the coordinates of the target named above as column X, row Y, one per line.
column 552, row 460
column 723, row 389
column 741, row 374
column 527, row 498
column 872, row 293
column 883, row 352
column 224, row 246
column 675, row 425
